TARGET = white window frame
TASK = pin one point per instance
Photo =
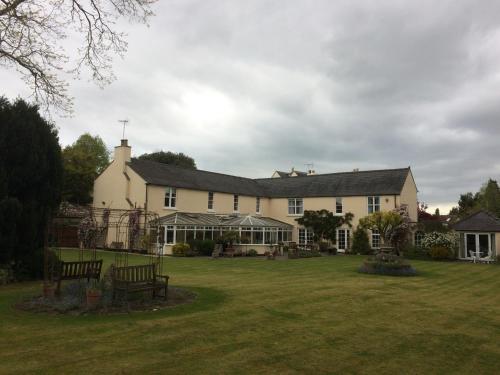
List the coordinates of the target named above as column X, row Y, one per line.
column 417, row 238
column 478, row 254
column 170, row 197
column 295, row 206
column 339, row 204
column 257, row 205
column 373, row 204
column 210, row 203
column 236, row 203
column 306, row 236
column 375, row 239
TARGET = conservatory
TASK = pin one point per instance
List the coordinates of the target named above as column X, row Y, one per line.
column 256, row 231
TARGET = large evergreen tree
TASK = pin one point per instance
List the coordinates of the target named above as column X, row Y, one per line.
column 30, row 185
column 83, row 161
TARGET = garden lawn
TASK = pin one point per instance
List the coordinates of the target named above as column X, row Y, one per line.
column 255, row 316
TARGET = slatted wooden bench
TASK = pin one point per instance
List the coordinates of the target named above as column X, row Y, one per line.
column 90, row 269
column 144, row 278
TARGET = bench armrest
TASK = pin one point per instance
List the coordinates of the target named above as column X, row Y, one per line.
column 166, row 277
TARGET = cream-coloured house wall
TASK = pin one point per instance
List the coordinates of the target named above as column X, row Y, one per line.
column 197, row 201
column 409, row 197
column 110, row 188
column 497, row 244
column 118, row 182
column 278, row 208
column 137, row 190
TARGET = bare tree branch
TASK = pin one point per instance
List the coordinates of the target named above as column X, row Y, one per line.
column 31, row 32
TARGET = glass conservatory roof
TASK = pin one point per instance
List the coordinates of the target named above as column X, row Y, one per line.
column 183, row 218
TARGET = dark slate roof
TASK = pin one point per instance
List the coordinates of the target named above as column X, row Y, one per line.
column 361, row 183
column 169, row 175
column 481, row 221
column 379, row 182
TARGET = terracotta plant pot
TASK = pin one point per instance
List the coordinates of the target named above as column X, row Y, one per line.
column 49, row 291
column 93, row 298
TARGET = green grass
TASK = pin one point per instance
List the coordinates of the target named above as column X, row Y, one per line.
column 255, row 316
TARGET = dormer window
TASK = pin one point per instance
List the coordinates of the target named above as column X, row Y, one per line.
column 170, row 197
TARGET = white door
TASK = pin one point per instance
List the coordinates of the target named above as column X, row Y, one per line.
column 343, row 239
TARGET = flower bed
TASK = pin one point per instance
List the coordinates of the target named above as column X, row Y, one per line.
column 387, row 264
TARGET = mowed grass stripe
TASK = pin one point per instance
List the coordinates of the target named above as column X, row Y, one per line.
column 254, row 316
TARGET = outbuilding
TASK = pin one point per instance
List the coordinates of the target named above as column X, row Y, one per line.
column 479, row 236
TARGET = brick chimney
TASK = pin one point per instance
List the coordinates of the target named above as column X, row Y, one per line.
column 123, row 153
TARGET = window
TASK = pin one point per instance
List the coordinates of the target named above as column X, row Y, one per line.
column 419, row 236
column 338, row 205
column 373, row 204
column 170, row 197
column 257, row 205
column 375, row 239
column 305, row 236
column 295, row 206
column 235, row 203
column 343, row 239
column 169, row 234
column 210, row 200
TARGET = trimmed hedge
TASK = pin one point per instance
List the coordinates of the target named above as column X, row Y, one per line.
column 303, row 254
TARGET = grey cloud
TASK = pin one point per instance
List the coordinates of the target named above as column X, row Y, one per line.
column 250, row 87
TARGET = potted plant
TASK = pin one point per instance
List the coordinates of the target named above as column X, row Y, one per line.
column 228, row 239
column 94, row 295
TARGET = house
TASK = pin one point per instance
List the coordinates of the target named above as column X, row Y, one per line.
column 479, row 236
column 201, row 204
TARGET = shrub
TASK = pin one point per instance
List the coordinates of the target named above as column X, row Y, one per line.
column 323, row 246
column 303, row 254
column 206, row 247
column 440, row 253
column 414, row 252
column 252, row 253
column 387, row 264
column 182, row 250
column 449, row 240
column 332, row 251
column 360, row 242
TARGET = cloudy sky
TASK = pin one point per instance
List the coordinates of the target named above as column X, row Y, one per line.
column 247, row 87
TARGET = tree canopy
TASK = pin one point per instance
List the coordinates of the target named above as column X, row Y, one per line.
column 324, row 223
column 172, row 158
column 487, row 198
column 30, row 184
column 83, row 161
column 32, row 34
column 393, row 226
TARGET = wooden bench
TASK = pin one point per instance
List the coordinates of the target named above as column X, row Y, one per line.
column 131, row 279
column 90, row 269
